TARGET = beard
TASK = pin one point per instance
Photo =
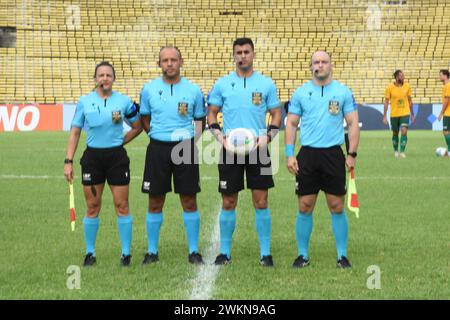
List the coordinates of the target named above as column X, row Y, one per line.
column 245, row 68
column 322, row 77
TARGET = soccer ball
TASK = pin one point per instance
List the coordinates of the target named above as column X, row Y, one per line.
column 441, row 152
column 241, row 141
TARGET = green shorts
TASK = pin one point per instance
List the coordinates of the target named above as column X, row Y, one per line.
column 446, row 123
column 398, row 122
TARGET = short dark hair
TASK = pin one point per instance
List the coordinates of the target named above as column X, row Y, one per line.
column 396, row 73
column 445, row 72
column 242, row 41
column 103, row 64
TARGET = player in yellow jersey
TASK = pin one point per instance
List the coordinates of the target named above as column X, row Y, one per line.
column 445, row 113
column 399, row 95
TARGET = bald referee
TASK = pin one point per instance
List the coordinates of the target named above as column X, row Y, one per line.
column 171, row 105
column 322, row 104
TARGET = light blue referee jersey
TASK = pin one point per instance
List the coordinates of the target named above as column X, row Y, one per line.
column 322, row 110
column 172, row 108
column 244, row 102
column 104, row 118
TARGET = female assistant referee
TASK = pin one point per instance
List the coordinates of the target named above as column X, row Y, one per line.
column 102, row 113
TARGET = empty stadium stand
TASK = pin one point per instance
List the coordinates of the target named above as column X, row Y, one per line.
column 59, row 42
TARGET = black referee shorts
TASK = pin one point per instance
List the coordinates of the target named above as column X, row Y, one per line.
column 164, row 159
column 321, row 169
column 111, row 164
column 256, row 165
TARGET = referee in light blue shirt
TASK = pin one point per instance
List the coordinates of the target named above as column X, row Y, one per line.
column 171, row 105
column 244, row 97
column 322, row 104
column 103, row 112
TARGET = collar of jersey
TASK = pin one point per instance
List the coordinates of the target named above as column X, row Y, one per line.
column 169, row 84
column 103, row 99
column 237, row 76
column 319, row 86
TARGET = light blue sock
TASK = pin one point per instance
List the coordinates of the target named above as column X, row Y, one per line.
column 303, row 230
column 125, row 226
column 227, row 225
column 340, row 229
column 263, row 225
column 90, row 233
column 153, row 221
column 192, row 226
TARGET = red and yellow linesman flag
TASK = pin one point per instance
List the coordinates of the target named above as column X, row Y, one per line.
column 72, row 206
column 352, row 195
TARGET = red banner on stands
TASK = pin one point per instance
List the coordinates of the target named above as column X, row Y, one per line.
column 31, row 117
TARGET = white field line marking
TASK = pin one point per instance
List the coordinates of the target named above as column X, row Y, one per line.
column 28, row 177
column 203, row 283
column 46, row 177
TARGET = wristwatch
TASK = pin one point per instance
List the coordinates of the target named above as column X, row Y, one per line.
column 352, row 154
column 66, row 161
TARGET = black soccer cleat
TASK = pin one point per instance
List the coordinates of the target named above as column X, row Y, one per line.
column 266, row 261
column 125, row 260
column 300, row 262
column 343, row 263
column 89, row 260
column 195, row 258
column 222, row 259
column 150, row 258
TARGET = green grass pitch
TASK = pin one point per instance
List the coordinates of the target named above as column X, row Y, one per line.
column 403, row 229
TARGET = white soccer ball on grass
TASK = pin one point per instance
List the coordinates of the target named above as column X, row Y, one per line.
column 441, row 152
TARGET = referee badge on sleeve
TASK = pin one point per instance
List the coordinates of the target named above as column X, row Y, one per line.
column 116, row 117
column 333, row 107
column 256, row 98
column 182, row 108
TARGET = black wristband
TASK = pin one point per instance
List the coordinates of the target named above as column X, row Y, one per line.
column 269, row 130
column 214, row 126
column 66, row 161
column 352, row 154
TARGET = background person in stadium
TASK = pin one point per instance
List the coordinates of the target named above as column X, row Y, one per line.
column 322, row 104
column 103, row 112
column 170, row 104
column 244, row 97
column 444, row 75
column 398, row 94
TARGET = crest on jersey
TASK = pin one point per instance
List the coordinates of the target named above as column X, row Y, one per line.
column 182, row 108
column 256, row 98
column 116, row 116
column 333, row 107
